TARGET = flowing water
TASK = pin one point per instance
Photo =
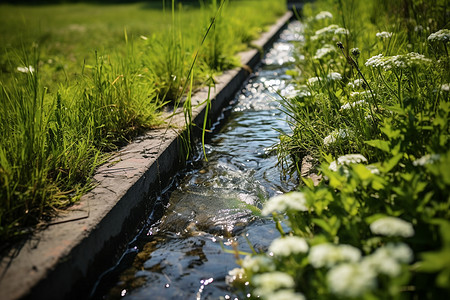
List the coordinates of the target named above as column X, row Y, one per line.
column 215, row 204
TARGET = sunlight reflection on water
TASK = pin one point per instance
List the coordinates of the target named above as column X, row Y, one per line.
column 215, row 207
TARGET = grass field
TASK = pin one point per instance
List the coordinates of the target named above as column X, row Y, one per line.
column 68, row 35
column 79, row 80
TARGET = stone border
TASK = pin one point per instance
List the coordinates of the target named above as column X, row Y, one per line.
column 64, row 260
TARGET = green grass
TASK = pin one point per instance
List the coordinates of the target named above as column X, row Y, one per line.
column 68, row 35
column 373, row 110
column 101, row 75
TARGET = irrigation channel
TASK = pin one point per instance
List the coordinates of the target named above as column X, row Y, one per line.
column 212, row 206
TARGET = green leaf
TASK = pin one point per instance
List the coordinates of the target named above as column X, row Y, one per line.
column 362, row 172
column 330, row 225
column 438, row 261
column 293, row 73
column 380, row 144
column 308, row 182
column 377, row 185
column 396, row 108
column 389, row 132
column 373, row 218
column 391, row 163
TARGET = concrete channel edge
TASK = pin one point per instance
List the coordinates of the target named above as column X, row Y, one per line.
column 63, row 260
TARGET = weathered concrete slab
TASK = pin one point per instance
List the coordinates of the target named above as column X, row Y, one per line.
column 63, row 260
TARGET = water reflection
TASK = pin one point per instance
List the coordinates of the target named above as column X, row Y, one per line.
column 215, row 208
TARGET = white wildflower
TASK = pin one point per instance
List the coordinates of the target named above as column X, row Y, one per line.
column 335, row 135
column 327, row 30
column 329, row 255
column 400, row 251
column 315, row 37
column 341, row 31
column 445, row 87
column 334, row 76
column 283, row 295
column 382, row 264
column 353, row 104
column 392, row 226
column 334, row 166
column 290, row 201
column 374, row 170
column 368, row 117
column 329, row 139
column 351, row 280
column 270, row 282
column 357, row 83
column 416, row 59
column 388, row 259
column 397, row 61
column 235, row 274
column 346, row 160
column 375, row 61
column 143, row 37
column 426, row 160
column 303, row 93
column 289, row 245
column 442, row 35
column 324, row 51
column 351, row 159
column 384, row 34
column 28, row 69
column 360, row 94
column 259, row 263
column 324, row 15
column 313, row 80
column 409, row 60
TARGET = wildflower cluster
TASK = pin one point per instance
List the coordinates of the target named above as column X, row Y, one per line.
column 295, row 201
column 334, row 76
column 384, row 34
column 427, row 159
column 445, row 87
column 324, row 15
column 355, row 279
column 336, row 135
column 392, row 226
column 325, row 51
column 28, row 69
column 355, row 84
column 406, row 61
column 329, row 255
column 346, row 160
column 329, row 31
column 377, row 224
column 347, row 272
column 313, row 80
column 442, row 35
column 287, row 246
column 353, row 104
